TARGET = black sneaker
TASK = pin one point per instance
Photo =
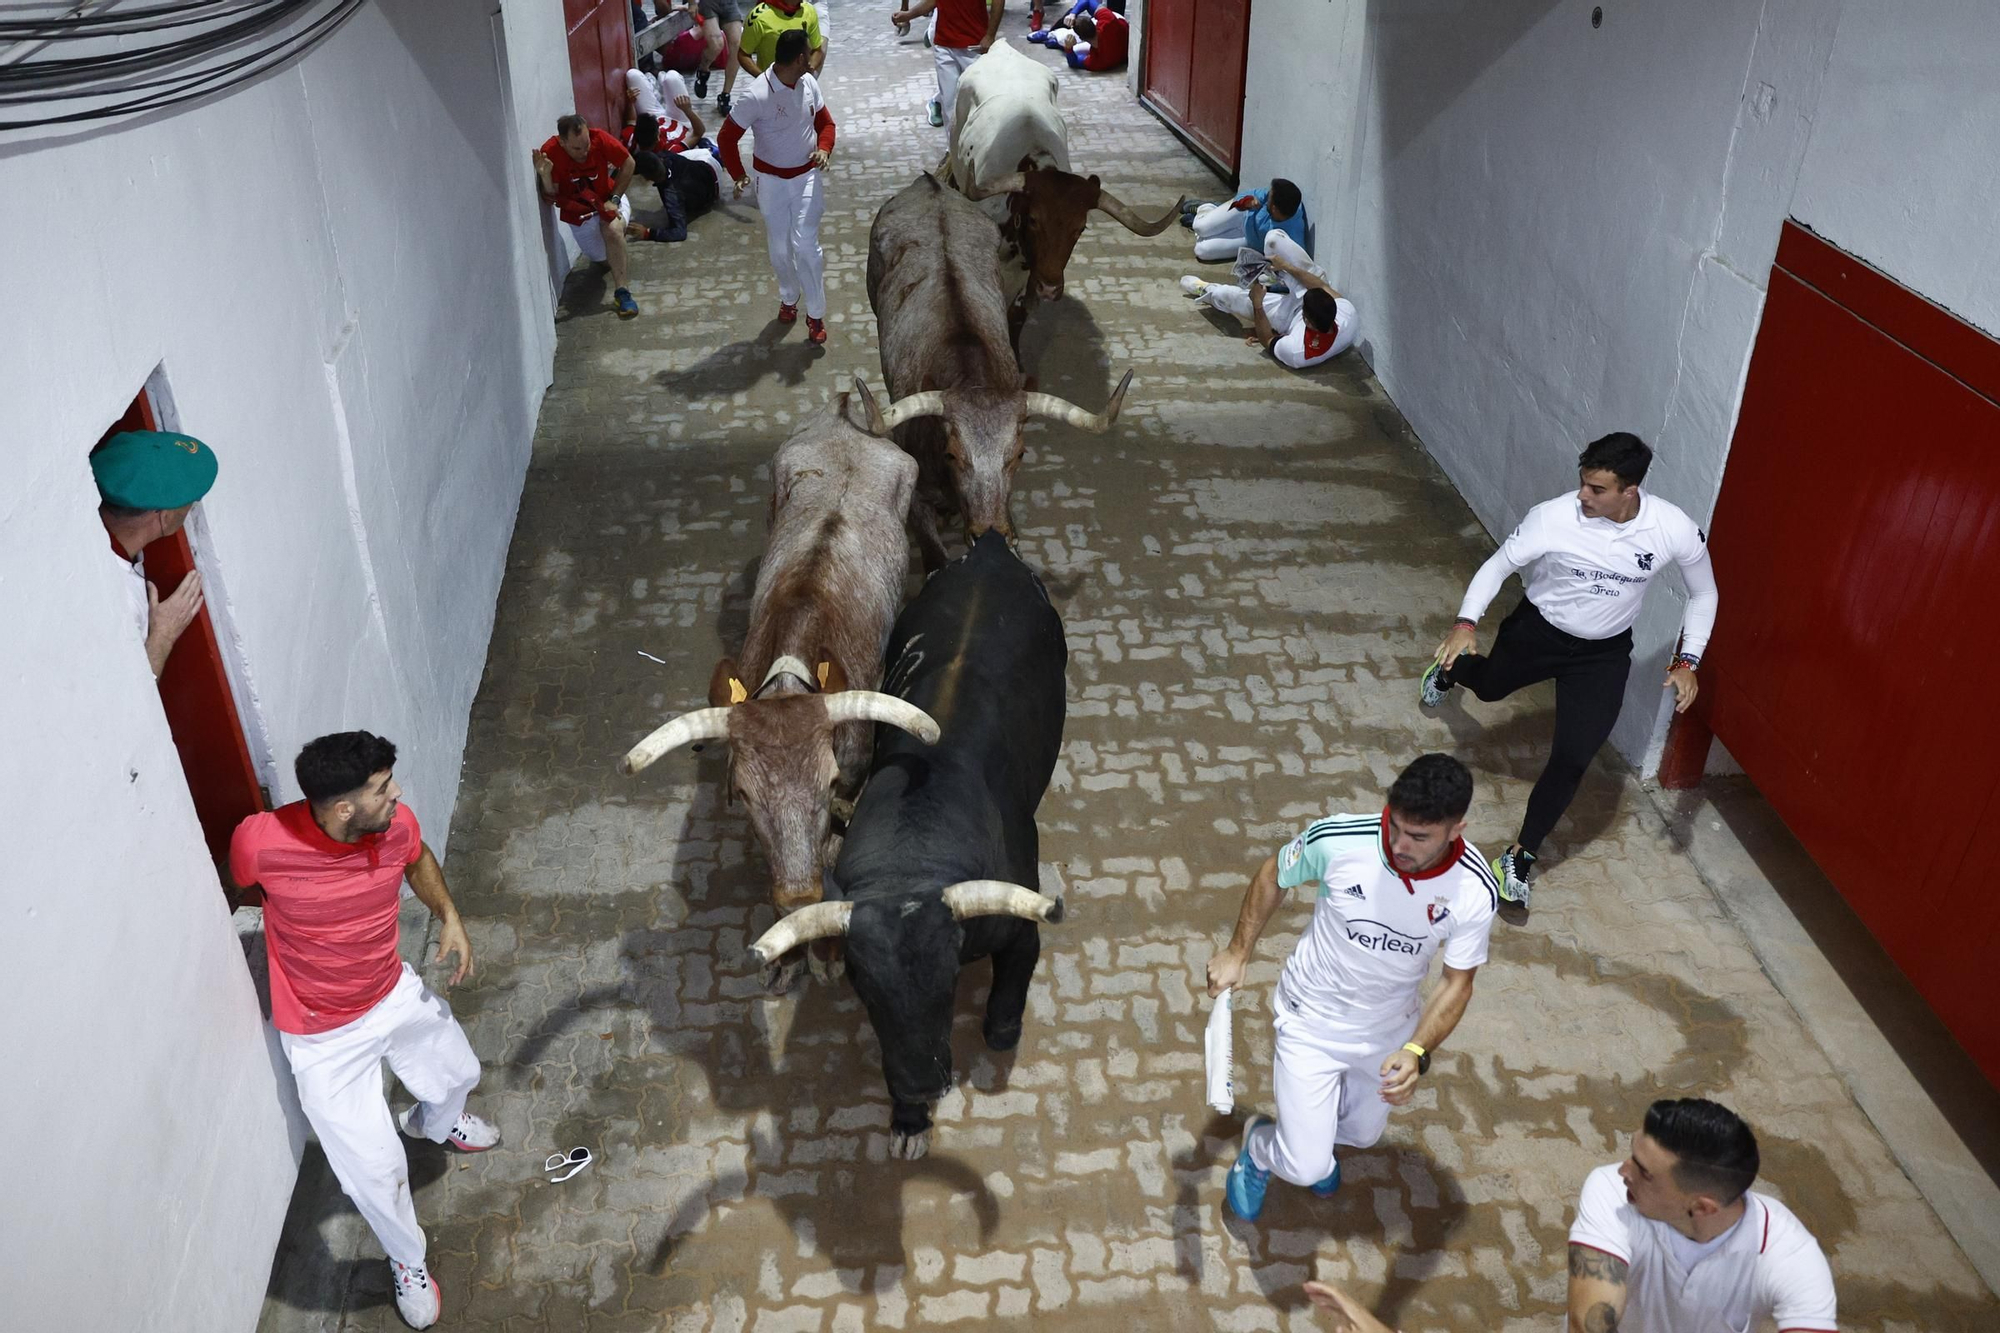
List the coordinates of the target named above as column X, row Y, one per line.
column 701, row 83
column 1512, row 868
column 722, row 105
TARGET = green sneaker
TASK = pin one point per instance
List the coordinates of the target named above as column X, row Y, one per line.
column 936, row 110
column 1512, row 868
column 1435, row 685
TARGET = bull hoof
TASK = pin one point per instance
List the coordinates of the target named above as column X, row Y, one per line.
column 841, row 809
column 783, row 975
column 830, row 968
column 1003, row 1039
column 909, row 1147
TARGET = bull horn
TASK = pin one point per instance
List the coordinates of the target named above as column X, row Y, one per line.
column 802, row 927
column 929, row 403
column 1005, row 185
column 872, row 706
column 705, row 724
column 869, row 408
column 1121, row 213
column 996, row 897
column 1048, row 405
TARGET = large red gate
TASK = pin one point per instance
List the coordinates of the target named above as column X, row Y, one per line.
column 1856, row 542
column 1195, row 53
column 600, row 51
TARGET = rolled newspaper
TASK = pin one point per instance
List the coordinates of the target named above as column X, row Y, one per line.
column 1216, row 1041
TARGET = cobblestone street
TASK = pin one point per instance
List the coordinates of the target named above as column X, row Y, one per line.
column 1252, row 568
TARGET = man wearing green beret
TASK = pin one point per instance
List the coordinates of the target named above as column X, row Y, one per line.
column 148, row 480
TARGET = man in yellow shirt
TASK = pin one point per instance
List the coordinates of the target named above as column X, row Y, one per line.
column 760, row 35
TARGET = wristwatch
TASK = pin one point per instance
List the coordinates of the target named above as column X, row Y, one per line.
column 1423, row 1056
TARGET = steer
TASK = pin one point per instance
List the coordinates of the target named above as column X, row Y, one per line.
column 1008, row 141
column 931, row 873
column 934, row 284
column 827, row 591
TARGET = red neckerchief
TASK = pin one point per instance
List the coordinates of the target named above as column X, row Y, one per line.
column 1445, row 862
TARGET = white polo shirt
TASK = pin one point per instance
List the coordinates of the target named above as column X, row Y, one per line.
column 1766, row 1266
column 1361, row 963
column 132, row 577
column 781, row 118
column 1589, row 575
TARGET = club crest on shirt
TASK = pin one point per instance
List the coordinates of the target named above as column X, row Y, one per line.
column 1439, row 909
column 1645, row 559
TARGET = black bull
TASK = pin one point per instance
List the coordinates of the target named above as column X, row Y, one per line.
column 982, row 651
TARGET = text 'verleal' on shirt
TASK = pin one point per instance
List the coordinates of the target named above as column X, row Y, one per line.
column 329, row 912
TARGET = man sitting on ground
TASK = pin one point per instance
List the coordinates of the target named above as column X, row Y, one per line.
column 1309, row 324
column 1041, row 36
column 1220, row 230
column 689, row 182
column 584, row 172
column 767, row 21
column 1098, row 42
column 666, row 105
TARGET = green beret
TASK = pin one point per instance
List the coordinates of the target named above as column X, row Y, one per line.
column 153, row 469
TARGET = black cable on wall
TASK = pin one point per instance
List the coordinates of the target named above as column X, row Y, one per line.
column 92, row 57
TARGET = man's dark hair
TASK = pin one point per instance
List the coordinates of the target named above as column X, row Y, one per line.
column 110, row 510
column 1716, row 1152
column 1086, row 27
column 570, row 124
column 1285, row 196
column 1434, row 789
column 791, row 46
column 332, row 766
column 645, row 132
column 1322, row 311
column 1621, row 453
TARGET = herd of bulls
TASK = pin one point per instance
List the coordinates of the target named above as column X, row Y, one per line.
column 904, row 852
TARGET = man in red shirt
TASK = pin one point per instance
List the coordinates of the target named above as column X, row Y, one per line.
column 966, row 30
column 584, row 172
column 1098, row 41
column 331, row 869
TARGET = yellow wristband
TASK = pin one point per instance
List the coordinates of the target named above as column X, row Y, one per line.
column 1414, row 1049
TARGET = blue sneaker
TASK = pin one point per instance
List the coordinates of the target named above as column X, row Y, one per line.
column 627, row 307
column 1247, row 1184
column 1325, row 1189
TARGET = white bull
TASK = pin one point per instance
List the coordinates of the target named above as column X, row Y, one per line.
column 1009, row 145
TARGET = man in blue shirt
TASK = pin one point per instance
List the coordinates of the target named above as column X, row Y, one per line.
column 1221, row 230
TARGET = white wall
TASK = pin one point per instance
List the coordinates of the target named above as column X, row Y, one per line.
column 1553, row 231
column 312, row 264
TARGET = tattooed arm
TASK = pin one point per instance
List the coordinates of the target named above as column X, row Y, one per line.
column 1596, row 1290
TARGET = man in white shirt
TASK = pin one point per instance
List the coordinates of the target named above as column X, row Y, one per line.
column 794, row 142
column 1672, row 1240
column 1590, row 558
column 1306, row 325
column 1353, row 1032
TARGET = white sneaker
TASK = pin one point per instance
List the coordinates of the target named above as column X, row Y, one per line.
column 470, row 1134
column 417, row 1296
column 1193, row 286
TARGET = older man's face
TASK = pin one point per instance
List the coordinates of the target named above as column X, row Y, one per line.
column 577, row 145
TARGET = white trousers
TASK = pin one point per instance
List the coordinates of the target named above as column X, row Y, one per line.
column 951, row 62
column 792, row 206
column 589, row 233
column 1329, row 1092
column 1218, row 232
column 1281, row 308
column 339, row 1074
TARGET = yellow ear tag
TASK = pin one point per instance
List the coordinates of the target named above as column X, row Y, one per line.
column 737, row 694
column 822, row 674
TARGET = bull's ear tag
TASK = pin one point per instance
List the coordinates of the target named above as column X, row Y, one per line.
column 822, row 674
column 737, row 694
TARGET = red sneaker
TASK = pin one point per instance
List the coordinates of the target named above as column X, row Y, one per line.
column 1034, row 20
column 787, row 313
column 815, row 330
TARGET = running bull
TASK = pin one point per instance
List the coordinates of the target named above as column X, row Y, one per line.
column 931, row 873
column 827, row 592
column 1009, row 144
column 934, row 284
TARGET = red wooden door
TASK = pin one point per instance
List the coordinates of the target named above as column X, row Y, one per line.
column 600, row 51
column 1855, row 540
column 1195, row 54
column 195, row 693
